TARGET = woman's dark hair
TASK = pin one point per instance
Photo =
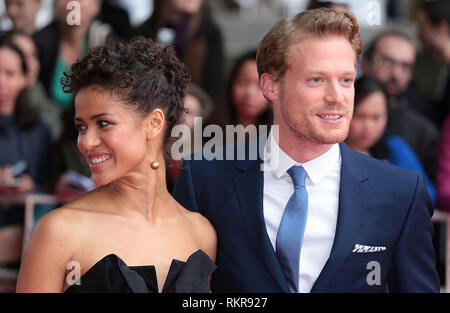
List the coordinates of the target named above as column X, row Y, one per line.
column 267, row 116
column 436, row 11
column 141, row 73
column 364, row 87
column 24, row 115
column 158, row 18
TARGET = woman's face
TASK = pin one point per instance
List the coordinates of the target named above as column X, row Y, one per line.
column 28, row 48
column 192, row 108
column 111, row 137
column 247, row 96
column 368, row 122
column 12, row 79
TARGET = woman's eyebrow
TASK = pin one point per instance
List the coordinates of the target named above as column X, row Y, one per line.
column 93, row 117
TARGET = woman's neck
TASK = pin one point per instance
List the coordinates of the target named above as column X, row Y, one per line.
column 143, row 194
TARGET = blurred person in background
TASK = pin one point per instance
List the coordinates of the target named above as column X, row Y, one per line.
column 24, row 136
column 443, row 169
column 198, row 104
column 367, row 131
column 113, row 13
column 390, row 59
column 337, row 5
column 243, row 102
column 25, row 144
column 434, row 33
column 48, row 110
column 60, row 44
column 23, row 14
column 188, row 27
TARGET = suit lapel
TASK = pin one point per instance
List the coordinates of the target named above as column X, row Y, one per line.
column 352, row 201
column 249, row 190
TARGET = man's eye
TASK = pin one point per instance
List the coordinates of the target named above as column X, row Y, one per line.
column 347, row 80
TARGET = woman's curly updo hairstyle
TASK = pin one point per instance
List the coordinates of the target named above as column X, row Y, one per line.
column 141, row 73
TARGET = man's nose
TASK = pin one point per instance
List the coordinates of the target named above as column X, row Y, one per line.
column 334, row 94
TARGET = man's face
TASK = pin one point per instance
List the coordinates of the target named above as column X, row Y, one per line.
column 392, row 64
column 23, row 13
column 313, row 102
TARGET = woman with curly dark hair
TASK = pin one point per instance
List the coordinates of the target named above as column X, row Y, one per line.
column 129, row 234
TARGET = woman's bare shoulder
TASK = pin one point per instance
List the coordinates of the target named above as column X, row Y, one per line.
column 48, row 251
column 57, row 225
column 204, row 231
column 63, row 222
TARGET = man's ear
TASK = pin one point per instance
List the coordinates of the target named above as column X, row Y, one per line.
column 155, row 122
column 269, row 86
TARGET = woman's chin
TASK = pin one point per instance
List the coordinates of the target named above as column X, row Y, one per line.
column 100, row 181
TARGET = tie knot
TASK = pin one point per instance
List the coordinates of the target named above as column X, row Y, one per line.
column 298, row 175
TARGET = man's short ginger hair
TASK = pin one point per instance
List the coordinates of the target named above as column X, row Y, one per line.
column 321, row 23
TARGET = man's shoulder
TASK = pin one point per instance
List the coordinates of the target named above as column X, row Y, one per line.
column 377, row 169
column 227, row 156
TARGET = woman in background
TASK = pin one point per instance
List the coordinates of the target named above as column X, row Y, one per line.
column 62, row 42
column 198, row 104
column 367, row 128
column 25, row 146
column 48, row 110
column 243, row 102
column 196, row 38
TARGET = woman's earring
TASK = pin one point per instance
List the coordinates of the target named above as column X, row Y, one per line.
column 155, row 164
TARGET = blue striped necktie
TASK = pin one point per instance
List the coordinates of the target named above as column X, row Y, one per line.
column 292, row 228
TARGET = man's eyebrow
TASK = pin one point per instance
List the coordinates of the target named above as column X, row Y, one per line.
column 353, row 72
column 93, row 117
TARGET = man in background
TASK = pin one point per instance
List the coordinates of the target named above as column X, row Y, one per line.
column 23, row 14
column 390, row 59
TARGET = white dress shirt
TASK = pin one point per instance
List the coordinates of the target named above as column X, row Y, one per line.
column 322, row 184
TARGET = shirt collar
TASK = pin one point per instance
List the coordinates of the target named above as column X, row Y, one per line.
column 316, row 168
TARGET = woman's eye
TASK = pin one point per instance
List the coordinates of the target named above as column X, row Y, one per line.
column 102, row 124
column 81, row 128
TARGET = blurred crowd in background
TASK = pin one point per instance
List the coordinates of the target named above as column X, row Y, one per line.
column 402, row 101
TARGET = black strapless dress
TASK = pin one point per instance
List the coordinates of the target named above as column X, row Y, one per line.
column 111, row 274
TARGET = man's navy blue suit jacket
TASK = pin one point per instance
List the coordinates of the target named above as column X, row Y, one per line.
column 379, row 205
